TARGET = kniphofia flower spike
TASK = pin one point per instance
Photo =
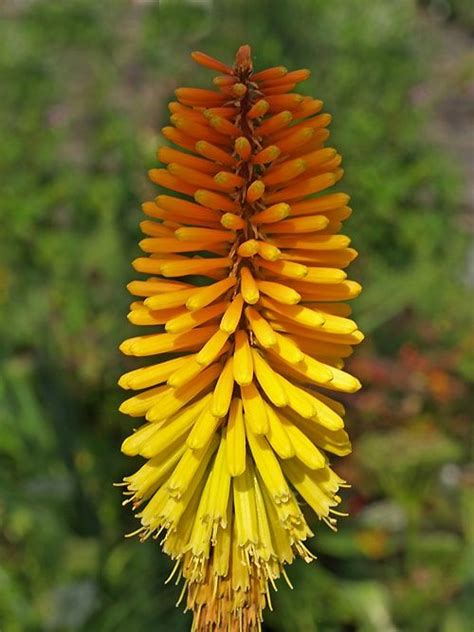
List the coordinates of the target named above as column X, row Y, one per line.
column 247, row 327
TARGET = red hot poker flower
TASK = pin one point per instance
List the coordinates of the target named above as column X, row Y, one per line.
column 244, row 308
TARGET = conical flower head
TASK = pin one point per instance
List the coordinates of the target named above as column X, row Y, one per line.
column 247, row 332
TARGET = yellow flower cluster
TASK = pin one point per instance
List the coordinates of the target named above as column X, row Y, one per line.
column 244, row 298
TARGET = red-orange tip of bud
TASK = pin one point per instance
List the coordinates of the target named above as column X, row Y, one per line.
column 243, row 147
column 255, row 191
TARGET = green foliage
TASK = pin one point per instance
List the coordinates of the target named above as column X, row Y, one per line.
column 85, row 91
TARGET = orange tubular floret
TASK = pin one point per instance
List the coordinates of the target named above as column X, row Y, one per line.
column 260, row 108
column 172, row 245
column 295, row 139
column 242, row 303
column 283, row 89
column 235, row 90
column 268, row 251
column 198, row 131
column 255, row 191
column 272, row 214
column 215, row 201
column 308, row 108
column 285, row 171
column 227, row 180
column 183, row 207
column 167, row 180
column 210, row 62
column 224, row 126
column 193, row 176
column 270, row 73
column 316, row 141
column 195, row 266
column 317, row 122
column 167, row 155
column 281, row 102
column 178, row 108
column 234, row 222
column 243, row 147
column 299, row 225
column 248, row 248
column 225, row 112
column 274, row 123
column 199, row 95
column 174, row 220
column 315, row 159
column 321, row 204
column 190, row 233
column 224, row 80
column 295, row 76
column 269, row 154
column 178, row 138
column 210, row 151
column 307, row 187
column 155, row 229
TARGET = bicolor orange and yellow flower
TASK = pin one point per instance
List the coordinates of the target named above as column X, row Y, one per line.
column 248, row 328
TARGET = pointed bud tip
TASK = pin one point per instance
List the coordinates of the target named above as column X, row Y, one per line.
column 243, row 58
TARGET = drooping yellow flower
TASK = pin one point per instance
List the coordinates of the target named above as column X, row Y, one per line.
column 248, row 334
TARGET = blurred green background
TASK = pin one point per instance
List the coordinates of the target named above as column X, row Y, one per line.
column 84, row 88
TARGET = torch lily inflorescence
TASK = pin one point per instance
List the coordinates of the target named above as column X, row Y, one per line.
column 243, row 298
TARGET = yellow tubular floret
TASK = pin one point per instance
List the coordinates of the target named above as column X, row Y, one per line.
column 236, row 438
